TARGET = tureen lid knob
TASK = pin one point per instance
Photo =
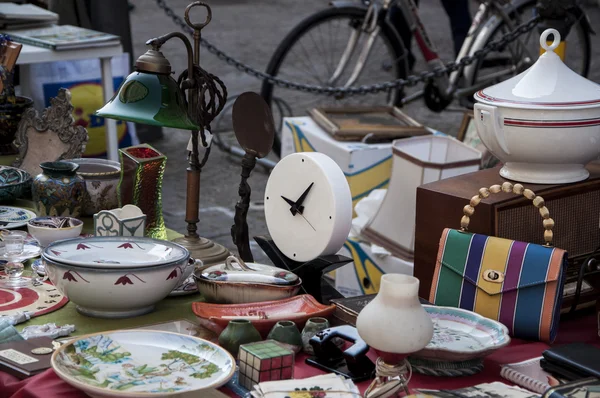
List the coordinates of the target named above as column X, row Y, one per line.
column 544, row 39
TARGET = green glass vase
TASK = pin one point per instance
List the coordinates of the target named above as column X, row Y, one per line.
column 238, row 332
column 142, row 170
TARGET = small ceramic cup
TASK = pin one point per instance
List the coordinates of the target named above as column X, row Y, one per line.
column 287, row 333
column 312, row 327
column 238, row 332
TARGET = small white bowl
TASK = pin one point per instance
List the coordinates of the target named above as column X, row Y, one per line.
column 48, row 229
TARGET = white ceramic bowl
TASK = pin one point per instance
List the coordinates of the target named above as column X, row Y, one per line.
column 120, row 277
column 45, row 231
column 540, row 146
column 116, row 292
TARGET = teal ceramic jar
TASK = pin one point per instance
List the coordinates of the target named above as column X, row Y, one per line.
column 287, row 333
column 58, row 190
column 238, row 332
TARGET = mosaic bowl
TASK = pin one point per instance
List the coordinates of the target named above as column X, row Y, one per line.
column 14, row 183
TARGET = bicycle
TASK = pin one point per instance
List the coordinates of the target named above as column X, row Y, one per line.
column 371, row 50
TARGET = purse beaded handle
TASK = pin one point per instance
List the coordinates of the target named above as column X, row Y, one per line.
column 518, row 189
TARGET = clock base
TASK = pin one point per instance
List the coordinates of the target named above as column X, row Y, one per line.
column 311, row 272
column 203, row 249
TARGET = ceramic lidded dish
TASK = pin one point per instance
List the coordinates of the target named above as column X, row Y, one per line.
column 14, row 183
column 116, row 277
column 543, row 124
column 461, row 335
column 237, row 282
column 142, row 363
column 50, row 229
column 115, row 252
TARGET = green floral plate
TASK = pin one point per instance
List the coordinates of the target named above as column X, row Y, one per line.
column 142, row 363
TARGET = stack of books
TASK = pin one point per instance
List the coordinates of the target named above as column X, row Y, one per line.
column 63, row 37
column 25, row 16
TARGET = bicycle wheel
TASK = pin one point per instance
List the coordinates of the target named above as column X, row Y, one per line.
column 310, row 53
column 523, row 52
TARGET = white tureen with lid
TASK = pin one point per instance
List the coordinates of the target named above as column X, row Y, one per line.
column 543, row 124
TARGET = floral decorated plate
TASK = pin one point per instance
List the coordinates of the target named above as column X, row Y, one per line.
column 142, row 363
column 115, row 252
column 461, row 335
column 14, row 217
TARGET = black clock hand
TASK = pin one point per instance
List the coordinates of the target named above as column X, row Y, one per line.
column 291, row 203
column 298, row 205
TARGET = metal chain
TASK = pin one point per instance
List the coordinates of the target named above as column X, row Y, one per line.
column 409, row 81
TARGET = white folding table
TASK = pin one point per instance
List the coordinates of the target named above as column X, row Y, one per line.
column 33, row 55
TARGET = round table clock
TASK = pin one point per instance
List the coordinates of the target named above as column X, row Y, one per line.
column 308, row 206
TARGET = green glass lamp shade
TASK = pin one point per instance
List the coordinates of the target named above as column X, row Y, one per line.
column 149, row 98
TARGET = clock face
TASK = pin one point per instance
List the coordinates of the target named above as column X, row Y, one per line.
column 308, row 206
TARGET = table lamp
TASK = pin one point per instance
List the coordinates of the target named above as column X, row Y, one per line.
column 151, row 96
column 394, row 324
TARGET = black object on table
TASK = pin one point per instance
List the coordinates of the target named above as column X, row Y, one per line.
column 311, row 272
column 352, row 362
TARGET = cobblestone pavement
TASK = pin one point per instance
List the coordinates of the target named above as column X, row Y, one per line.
column 250, row 30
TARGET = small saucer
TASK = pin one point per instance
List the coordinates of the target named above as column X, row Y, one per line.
column 187, row 287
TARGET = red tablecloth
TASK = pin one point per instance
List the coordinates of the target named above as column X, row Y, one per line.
column 582, row 329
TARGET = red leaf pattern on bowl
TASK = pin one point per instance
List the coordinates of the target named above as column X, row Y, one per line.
column 173, row 274
column 81, row 246
column 68, row 275
column 125, row 246
column 124, row 280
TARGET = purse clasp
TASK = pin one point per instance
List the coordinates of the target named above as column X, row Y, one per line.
column 493, row 276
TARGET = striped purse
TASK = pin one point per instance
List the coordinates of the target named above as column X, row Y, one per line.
column 518, row 284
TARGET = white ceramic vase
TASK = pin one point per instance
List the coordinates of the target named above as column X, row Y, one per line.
column 394, row 322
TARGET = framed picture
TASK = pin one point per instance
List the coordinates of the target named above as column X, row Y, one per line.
column 354, row 123
column 467, row 133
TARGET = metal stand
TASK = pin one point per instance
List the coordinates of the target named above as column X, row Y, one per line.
column 239, row 231
column 311, row 272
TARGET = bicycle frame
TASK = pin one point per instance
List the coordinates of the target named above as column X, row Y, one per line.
column 488, row 17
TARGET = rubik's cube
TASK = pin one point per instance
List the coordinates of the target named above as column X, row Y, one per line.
column 264, row 361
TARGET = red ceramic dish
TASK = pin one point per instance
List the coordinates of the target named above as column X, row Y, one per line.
column 263, row 315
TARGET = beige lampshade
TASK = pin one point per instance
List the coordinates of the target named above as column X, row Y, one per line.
column 416, row 161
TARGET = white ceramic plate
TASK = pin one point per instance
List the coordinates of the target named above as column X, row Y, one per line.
column 142, row 363
column 14, row 217
column 460, row 335
column 115, row 252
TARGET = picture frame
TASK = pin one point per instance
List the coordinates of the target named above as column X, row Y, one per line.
column 356, row 123
column 467, row 133
column 50, row 137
